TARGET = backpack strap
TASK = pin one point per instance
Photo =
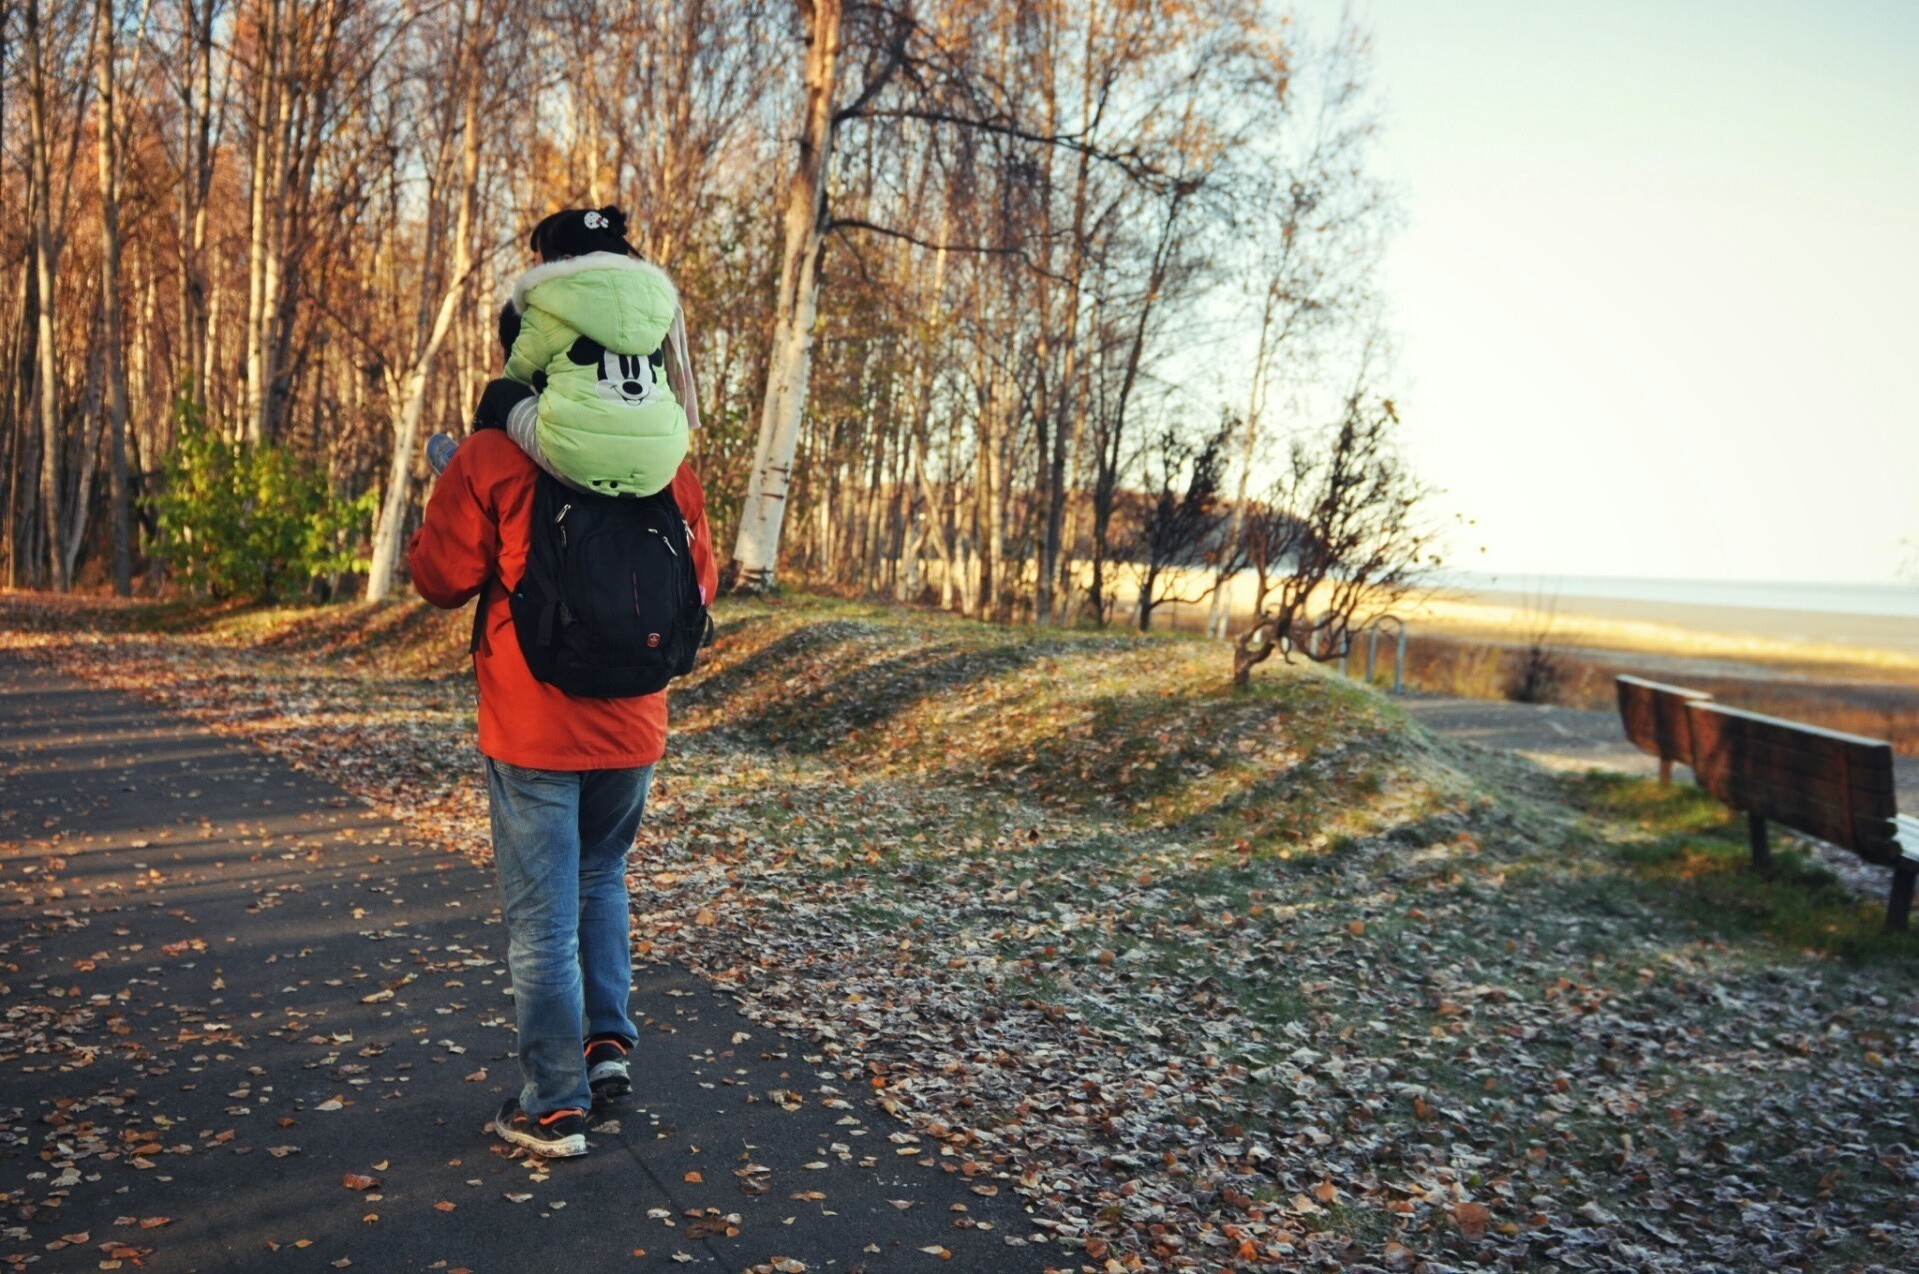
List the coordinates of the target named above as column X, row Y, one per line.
column 549, row 502
column 479, row 618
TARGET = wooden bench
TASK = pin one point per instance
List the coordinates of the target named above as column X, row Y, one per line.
column 1833, row 786
column 1654, row 716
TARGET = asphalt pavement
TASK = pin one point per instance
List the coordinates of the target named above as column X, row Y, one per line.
column 249, row 1025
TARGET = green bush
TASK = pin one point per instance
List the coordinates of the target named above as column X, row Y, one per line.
column 239, row 519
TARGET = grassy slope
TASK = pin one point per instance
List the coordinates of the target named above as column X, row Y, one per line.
column 1228, row 977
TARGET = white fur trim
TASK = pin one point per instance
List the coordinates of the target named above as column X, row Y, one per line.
column 575, row 265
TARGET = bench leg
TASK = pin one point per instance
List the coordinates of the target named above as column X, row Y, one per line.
column 1756, row 834
column 1899, row 906
column 1665, row 771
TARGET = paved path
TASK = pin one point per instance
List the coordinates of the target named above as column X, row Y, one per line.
column 227, row 985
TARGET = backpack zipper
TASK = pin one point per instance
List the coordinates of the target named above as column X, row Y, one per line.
column 559, row 520
column 664, row 540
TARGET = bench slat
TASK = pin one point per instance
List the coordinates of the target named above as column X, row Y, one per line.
column 1837, row 787
column 1654, row 717
column 1869, row 792
column 1789, row 734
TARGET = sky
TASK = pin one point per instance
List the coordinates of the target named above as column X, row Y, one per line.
column 1657, row 292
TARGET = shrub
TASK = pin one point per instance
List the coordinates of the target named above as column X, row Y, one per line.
column 249, row 519
column 1539, row 675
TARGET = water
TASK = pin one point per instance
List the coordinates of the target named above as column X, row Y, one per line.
column 1893, row 601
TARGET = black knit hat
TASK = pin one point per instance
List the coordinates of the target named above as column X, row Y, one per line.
column 578, row 231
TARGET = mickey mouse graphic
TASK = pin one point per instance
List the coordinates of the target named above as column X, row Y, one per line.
column 633, row 379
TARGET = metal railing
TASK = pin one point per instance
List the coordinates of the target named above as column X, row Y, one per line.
column 1372, row 652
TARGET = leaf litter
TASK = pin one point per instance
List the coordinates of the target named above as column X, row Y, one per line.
column 1210, row 981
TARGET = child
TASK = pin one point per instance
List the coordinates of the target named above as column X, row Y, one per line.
column 589, row 333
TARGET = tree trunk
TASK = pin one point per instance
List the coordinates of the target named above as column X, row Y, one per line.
column 266, row 162
column 756, row 551
column 45, row 261
column 195, row 185
column 387, row 534
column 1220, row 615
column 112, row 335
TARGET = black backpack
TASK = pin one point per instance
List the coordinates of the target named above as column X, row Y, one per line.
column 609, row 606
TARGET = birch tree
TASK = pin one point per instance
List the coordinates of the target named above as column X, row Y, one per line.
column 461, row 137
column 795, row 305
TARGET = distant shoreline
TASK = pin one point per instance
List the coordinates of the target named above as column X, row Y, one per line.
column 1893, row 633
column 1890, row 600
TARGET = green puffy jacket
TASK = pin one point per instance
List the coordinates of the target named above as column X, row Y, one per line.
column 594, row 325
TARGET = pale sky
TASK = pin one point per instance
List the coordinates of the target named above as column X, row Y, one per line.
column 1657, row 296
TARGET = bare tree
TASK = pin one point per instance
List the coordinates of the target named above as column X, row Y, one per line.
column 456, row 170
column 1358, row 545
column 1313, row 237
column 48, row 54
column 991, row 233
column 796, row 305
column 110, row 142
column 1180, row 528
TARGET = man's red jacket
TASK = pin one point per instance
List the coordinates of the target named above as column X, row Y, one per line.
column 476, row 535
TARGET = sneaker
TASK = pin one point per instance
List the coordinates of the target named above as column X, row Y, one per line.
column 439, row 451
column 559, row 1135
column 606, row 1072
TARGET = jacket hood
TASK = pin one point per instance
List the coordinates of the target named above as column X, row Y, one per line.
column 622, row 302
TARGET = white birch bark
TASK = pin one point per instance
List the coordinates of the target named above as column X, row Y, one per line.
column 411, row 392
column 756, row 551
column 259, row 220
column 45, row 260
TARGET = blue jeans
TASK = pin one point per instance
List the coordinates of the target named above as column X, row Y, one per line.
column 559, row 844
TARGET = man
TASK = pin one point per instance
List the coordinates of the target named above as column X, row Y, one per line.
column 567, row 780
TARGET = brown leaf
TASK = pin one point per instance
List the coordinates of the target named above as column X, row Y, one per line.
column 443, row 1206
column 359, row 1181
column 1472, row 1219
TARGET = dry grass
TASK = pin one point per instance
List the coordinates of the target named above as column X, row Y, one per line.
column 1508, row 624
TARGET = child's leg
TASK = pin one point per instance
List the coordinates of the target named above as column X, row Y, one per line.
column 497, row 402
column 523, row 427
